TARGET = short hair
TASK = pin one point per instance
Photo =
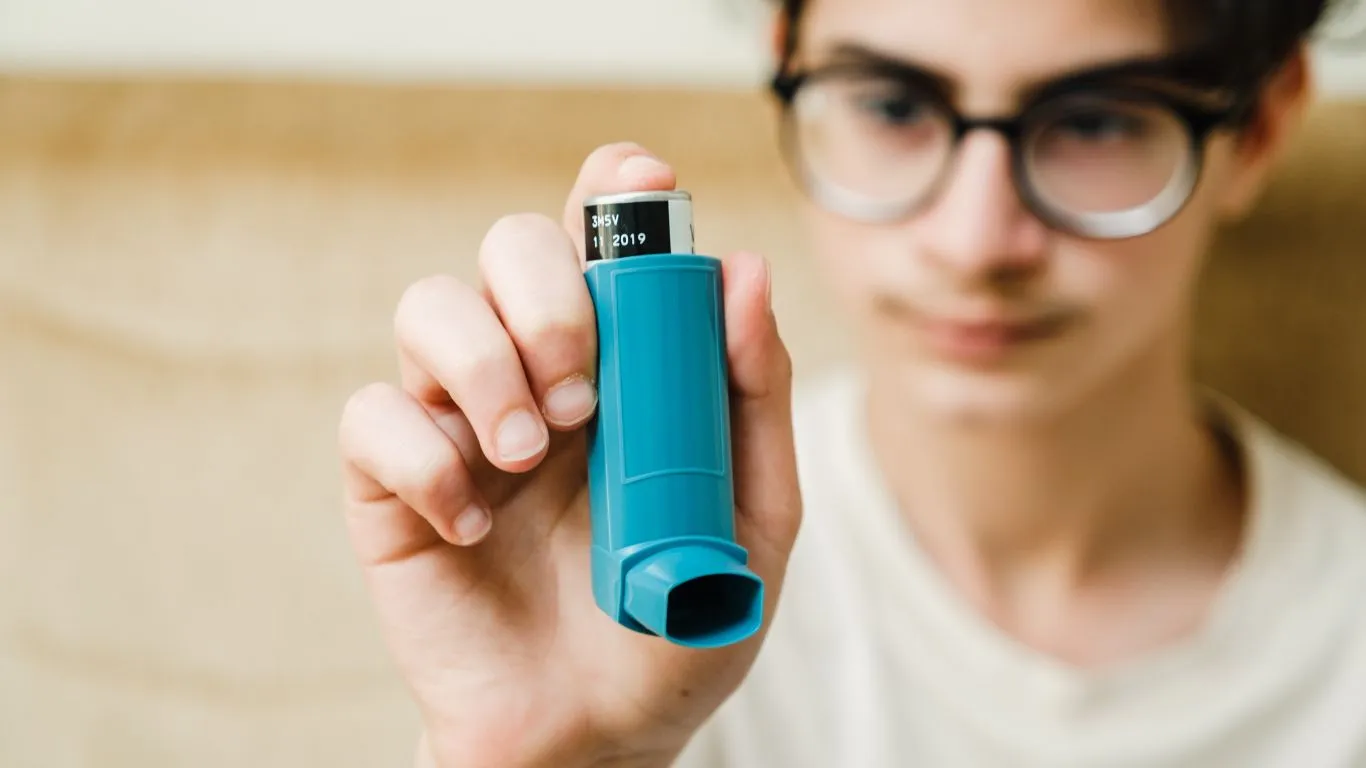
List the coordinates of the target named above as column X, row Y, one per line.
column 1238, row 43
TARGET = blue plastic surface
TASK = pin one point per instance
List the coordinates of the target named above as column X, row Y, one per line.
column 664, row 556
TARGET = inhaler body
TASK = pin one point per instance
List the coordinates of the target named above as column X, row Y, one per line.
column 664, row 556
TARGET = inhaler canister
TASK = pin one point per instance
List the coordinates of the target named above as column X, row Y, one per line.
column 664, row 556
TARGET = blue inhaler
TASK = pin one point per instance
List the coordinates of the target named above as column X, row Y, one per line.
column 664, row 557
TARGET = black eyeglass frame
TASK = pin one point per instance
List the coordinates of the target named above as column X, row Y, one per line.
column 1172, row 84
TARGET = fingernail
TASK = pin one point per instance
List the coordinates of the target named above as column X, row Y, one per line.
column 570, row 401
column 520, row 436
column 637, row 167
column 472, row 524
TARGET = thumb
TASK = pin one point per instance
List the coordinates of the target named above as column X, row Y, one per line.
column 767, row 499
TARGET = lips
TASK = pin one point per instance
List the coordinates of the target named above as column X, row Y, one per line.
column 981, row 337
column 981, row 341
column 992, row 329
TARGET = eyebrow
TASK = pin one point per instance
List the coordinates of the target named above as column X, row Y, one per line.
column 1170, row 70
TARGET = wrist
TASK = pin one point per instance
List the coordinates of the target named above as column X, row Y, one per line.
column 427, row 757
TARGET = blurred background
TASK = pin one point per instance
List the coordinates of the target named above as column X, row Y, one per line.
column 207, row 213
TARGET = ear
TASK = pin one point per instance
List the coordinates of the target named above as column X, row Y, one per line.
column 779, row 30
column 1269, row 132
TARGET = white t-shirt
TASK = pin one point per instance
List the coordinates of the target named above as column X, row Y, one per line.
column 874, row 661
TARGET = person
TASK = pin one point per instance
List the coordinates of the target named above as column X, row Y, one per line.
column 1015, row 531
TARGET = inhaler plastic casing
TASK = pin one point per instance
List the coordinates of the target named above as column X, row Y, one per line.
column 664, row 556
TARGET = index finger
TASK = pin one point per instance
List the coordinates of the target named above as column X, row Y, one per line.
column 611, row 169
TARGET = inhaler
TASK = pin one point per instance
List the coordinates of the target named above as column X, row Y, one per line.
column 664, row 557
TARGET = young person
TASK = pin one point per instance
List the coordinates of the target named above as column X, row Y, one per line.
column 1027, row 538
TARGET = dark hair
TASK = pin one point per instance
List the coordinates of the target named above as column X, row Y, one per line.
column 1238, row 43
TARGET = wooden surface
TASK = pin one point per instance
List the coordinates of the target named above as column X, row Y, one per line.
column 193, row 276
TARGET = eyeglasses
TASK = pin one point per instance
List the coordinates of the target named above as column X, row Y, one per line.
column 1098, row 155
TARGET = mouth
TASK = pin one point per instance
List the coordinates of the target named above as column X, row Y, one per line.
column 980, row 337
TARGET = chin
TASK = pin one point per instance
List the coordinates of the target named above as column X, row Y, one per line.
column 1034, row 383
column 981, row 397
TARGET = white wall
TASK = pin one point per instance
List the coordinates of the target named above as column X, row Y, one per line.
column 1342, row 75
column 558, row 40
column 714, row 42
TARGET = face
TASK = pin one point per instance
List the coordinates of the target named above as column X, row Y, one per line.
column 975, row 304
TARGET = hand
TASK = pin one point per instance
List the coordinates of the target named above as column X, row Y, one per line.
column 467, row 504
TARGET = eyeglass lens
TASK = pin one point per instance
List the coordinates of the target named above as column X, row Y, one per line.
column 885, row 145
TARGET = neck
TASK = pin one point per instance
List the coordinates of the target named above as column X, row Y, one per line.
column 1131, row 471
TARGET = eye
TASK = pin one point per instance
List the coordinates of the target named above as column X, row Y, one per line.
column 1100, row 125
column 893, row 106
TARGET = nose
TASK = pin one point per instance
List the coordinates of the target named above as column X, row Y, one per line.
column 979, row 230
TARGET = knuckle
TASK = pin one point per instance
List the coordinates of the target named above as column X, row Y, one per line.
column 435, row 477
column 784, row 368
column 485, row 363
column 771, row 357
column 360, row 409
column 782, row 360
column 560, row 345
column 419, row 298
column 779, row 360
column 513, row 234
